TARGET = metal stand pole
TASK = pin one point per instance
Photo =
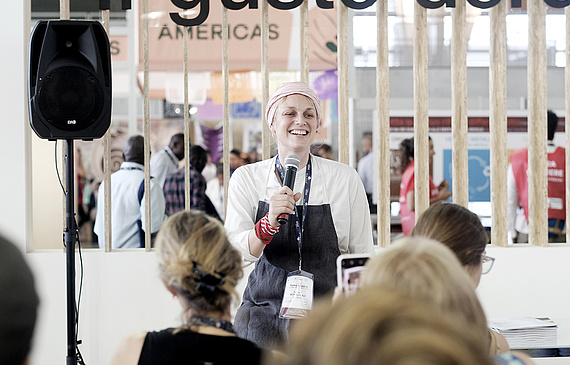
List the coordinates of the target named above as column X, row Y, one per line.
column 70, row 239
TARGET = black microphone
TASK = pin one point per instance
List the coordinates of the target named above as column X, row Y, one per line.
column 291, row 165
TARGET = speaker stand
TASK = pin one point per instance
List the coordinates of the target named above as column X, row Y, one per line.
column 70, row 234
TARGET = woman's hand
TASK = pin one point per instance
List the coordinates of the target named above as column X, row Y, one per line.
column 444, row 193
column 282, row 202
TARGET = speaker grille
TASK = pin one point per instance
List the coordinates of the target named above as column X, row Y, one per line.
column 71, row 98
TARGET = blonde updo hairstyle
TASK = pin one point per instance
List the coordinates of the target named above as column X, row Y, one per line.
column 190, row 245
column 428, row 271
column 381, row 326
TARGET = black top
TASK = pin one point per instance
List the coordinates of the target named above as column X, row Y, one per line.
column 192, row 348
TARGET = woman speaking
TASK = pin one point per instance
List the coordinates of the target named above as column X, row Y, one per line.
column 327, row 215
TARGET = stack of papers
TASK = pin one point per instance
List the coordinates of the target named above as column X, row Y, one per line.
column 526, row 332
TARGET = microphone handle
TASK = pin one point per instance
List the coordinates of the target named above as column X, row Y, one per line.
column 288, row 180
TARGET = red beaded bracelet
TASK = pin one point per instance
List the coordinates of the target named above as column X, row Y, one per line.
column 264, row 230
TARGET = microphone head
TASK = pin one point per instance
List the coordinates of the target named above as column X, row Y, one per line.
column 292, row 161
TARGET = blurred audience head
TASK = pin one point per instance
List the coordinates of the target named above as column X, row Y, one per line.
column 382, row 326
column 197, row 262
column 459, row 229
column 18, row 305
column 429, row 271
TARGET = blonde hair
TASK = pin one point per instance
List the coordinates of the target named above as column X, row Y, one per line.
column 429, row 271
column 191, row 245
column 381, row 326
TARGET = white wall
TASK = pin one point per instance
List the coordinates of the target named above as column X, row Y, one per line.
column 121, row 292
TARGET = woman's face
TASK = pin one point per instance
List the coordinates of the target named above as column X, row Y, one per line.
column 431, row 152
column 295, row 124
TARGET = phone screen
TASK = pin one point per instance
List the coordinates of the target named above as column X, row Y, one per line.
column 350, row 269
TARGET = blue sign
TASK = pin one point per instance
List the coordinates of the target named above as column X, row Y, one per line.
column 249, row 110
column 479, row 174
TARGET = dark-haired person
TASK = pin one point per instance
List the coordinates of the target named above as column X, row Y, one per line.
column 18, row 305
column 166, row 161
column 407, row 186
column 174, row 186
column 126, row 207
column 200, row 268
column 517, row 185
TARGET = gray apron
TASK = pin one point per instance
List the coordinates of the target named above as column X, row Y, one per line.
column 257, row 319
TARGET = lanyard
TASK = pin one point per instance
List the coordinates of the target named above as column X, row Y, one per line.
column 299, row 230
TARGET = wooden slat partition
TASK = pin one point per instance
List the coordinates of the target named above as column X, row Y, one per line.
column 460, row 169
column 382, row 138
column 226, row 113
column 304, row 34
column 498, row 122
column 421, row 121
column 343, row 66
column 567, row 119
column 537, row 126
column 266, row 133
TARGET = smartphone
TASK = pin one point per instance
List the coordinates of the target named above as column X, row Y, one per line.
column 349, row 268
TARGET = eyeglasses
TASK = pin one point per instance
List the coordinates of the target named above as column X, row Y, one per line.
column 487, row 263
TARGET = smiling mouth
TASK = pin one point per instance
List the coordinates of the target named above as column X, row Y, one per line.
column 298, row 132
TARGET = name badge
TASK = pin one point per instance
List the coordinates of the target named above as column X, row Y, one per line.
column 298, row 296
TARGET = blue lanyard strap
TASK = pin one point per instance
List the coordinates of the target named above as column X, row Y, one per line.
column 131, row 168
column 299, row 230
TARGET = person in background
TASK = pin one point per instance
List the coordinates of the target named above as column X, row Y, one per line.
column 166, row 161
column 366, row 168
column 200, row 269
column 253, row 155
column 517, row 187
column 18, row 305
column 461, row 230
column 407, row 186
column 429, row 271
column 324, row 151
column 199, row 158
column 331, row 218
column 382, row 325
column 215, row 190
column 127, row 208
column 235, row 160
column 174, row 186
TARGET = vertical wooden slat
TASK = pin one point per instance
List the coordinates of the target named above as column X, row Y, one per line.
column 64, row 12
column 459, row 154
column 146, row 124
column 266, row 133
column 226, row 114
column 304, row 34
column 382, row 138
column 537, row 126
column 421, row 121
column 498, row 123
column 107, row 164
column 343, row 66
column 567, row 119
column 186, row 124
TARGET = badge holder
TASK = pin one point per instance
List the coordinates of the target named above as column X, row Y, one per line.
column 298, row 296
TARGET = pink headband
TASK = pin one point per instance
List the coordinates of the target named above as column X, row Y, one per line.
column 290, row 88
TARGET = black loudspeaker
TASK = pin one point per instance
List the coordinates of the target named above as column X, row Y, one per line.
column 69, row 80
